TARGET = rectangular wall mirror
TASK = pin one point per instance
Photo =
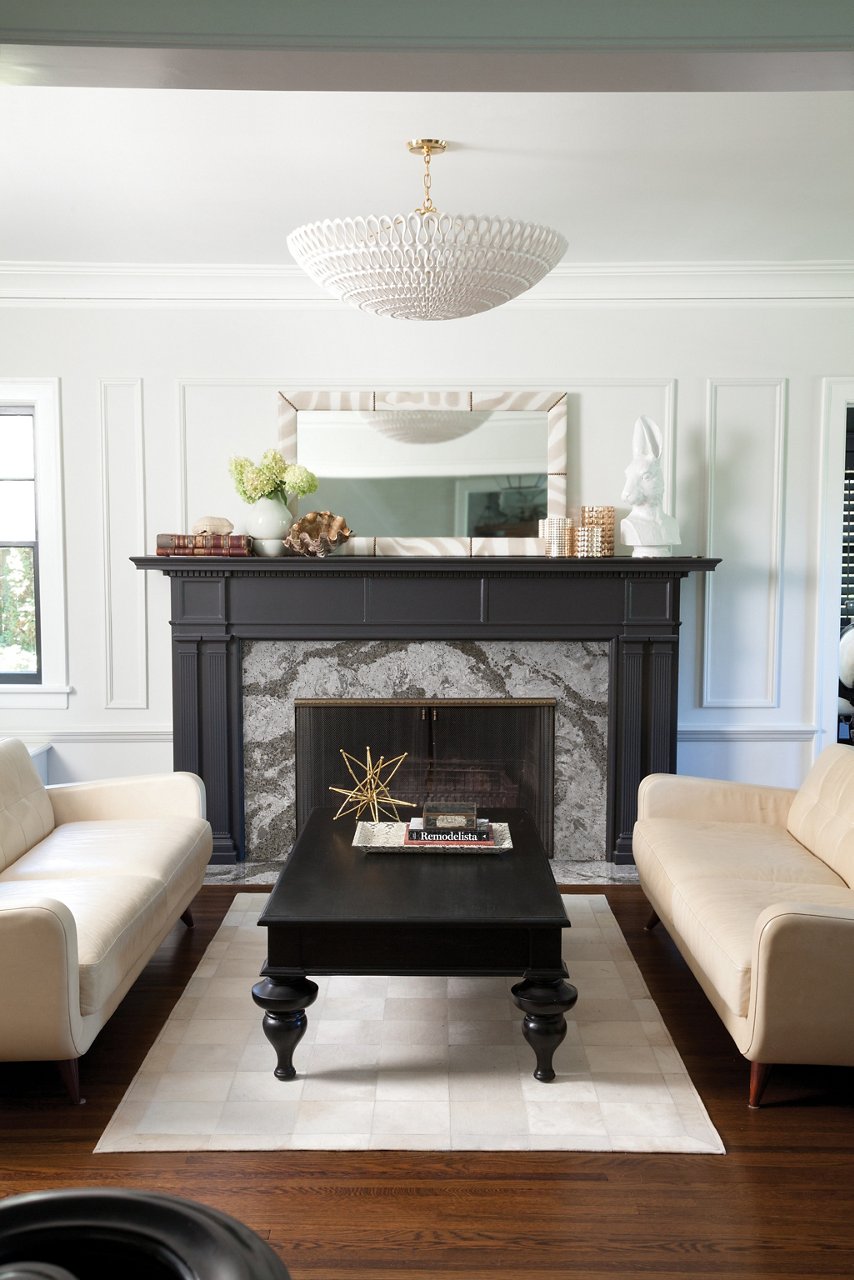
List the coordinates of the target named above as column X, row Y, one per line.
column 444, row 469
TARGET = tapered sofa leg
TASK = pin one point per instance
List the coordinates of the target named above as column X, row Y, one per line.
column 187, row 918
column 653, row 920
column 69, row 1069
column 759, row 1073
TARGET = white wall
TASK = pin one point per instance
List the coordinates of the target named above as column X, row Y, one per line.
column 155, row 397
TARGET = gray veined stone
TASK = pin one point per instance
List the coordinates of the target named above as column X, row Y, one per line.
column 575, row 673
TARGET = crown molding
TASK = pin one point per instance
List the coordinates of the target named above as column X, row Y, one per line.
column 277, row 284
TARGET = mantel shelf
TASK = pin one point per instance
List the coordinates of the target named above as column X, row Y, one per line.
column 466, row 566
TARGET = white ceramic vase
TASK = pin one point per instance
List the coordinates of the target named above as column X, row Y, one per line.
column 268, row 518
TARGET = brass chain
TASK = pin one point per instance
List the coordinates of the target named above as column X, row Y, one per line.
column 427, row 205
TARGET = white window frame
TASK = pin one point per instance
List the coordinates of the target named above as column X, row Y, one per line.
column 42, row 394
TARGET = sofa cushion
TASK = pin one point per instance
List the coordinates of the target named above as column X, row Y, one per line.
column 26, row 814
column 668, row 851
column 716, row 921
column 822, row 812
column 172, row 851
column 116, row 919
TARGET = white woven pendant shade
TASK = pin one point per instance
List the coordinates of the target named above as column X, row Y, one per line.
column 426, row 265
column 430, row 426
column 431, row 266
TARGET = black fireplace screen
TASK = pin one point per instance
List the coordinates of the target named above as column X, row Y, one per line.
column 496, row 753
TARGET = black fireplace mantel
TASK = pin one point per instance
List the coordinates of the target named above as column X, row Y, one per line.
column 217, row 603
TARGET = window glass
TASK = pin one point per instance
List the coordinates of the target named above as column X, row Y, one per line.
column 17, row 510
column 18, row 447
column 19, row 599
column 18, row 631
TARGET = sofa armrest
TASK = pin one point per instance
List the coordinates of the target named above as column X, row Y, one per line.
column 40, row 1010
column 671, row 795
column 156, row 795
column 802, row 979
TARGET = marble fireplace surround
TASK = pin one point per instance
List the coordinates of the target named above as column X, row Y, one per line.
column 624, row 612
column 574, row 673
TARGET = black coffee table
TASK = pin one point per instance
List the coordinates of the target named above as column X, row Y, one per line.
column 336, row 909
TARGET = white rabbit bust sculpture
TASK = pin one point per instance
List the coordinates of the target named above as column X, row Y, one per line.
column 646, row 527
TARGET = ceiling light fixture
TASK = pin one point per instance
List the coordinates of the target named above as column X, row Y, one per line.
column 426, row 265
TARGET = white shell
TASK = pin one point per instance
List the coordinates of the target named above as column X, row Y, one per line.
column 213, row 524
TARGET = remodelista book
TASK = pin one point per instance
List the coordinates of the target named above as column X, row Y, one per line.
column 390, row 837
column 460, row 836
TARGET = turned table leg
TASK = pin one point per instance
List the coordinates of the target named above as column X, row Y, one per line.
column 544, row 999
column 284, row 1001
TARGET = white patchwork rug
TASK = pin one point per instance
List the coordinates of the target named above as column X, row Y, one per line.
column 405, row 1063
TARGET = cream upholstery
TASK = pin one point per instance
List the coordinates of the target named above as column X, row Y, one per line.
column 756, row 887
column 92, row 878
column 26, row 814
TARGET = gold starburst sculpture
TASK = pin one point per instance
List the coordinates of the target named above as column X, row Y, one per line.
column 371, row 789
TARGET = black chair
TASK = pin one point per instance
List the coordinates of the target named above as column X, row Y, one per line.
column 72, row 1235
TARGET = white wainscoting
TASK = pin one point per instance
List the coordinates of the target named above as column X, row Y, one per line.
column 746, row 506
column 606, row 410
column 73, row 755
column 770, row 755
column 124, row 526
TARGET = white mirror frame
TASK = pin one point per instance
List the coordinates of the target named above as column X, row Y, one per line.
column 552, row 403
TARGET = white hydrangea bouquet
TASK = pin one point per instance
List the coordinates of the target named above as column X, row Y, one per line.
column 272, row 477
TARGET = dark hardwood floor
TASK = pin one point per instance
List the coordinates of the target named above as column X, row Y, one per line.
column 779, row 1204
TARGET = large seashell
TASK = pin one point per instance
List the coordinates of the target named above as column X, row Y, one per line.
column 213, row 524
column 316, row 534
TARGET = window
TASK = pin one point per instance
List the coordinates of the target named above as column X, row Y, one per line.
column 33, row 650
column 847, row 603
column 20, row 647
column 844, row 731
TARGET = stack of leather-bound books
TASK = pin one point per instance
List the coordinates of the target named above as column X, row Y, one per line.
column 204, row 544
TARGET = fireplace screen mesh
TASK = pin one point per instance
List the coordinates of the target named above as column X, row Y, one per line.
column 495, row 753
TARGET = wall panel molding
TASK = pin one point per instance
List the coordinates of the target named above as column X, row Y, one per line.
column 183, row 462
column 124, row 527
column 745, row 520
column 747, row 733
column 97, row 733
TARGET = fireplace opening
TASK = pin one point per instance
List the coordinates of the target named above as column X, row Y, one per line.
column 496, row 753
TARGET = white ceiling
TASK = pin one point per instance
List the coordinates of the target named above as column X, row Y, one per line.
column 144, row 175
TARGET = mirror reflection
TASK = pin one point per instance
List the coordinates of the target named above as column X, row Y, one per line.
column 429, row 473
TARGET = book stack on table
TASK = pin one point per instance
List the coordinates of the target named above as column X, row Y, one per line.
column 480, row 836
column 203, row 544
column 396, row 837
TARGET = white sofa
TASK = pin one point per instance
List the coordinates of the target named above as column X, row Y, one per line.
column 93, row 876
column 756, row 888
